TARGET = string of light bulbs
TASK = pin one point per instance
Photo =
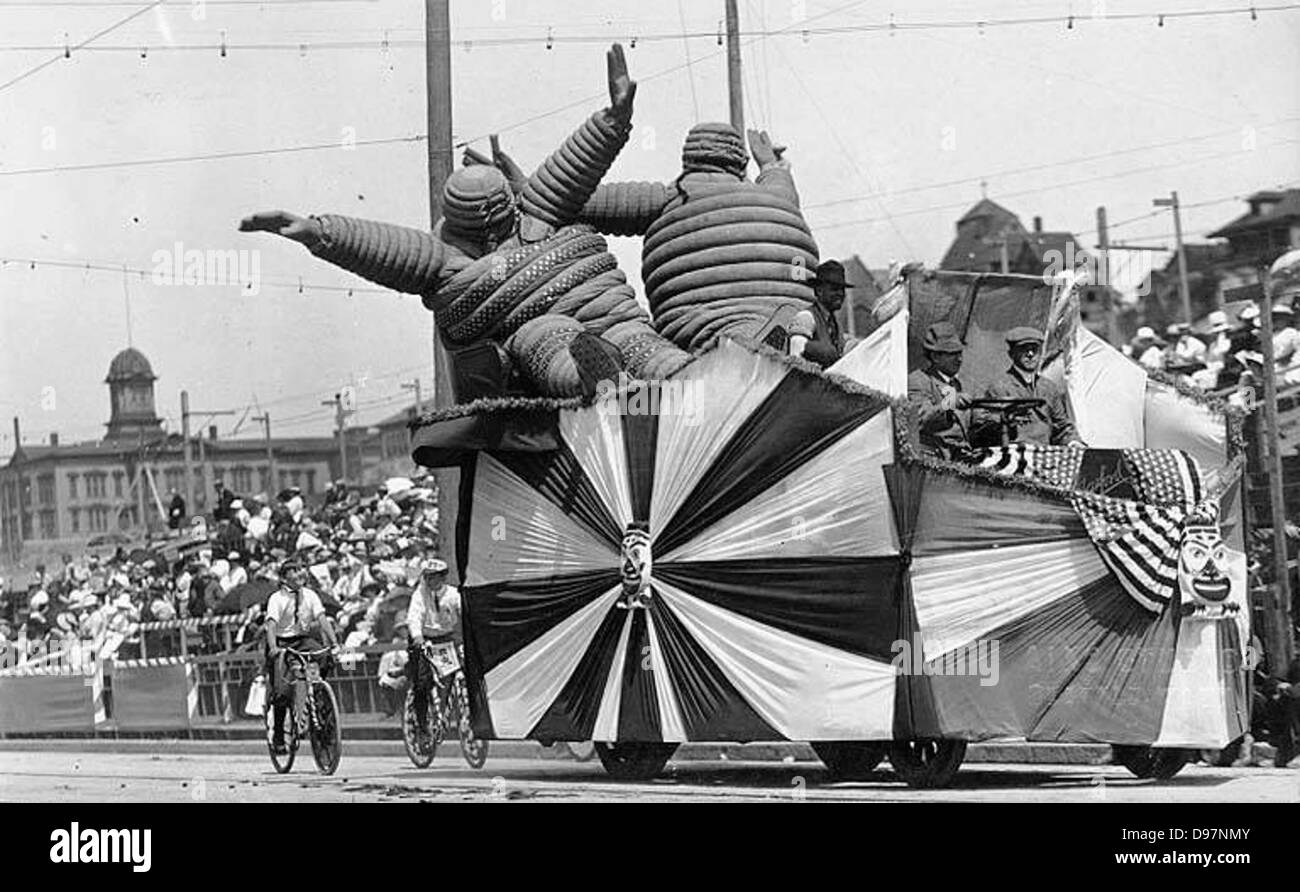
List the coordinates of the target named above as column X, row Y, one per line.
column 551, row 39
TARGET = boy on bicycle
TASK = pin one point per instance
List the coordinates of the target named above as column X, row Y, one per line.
column 433, row 615
column 294, row 616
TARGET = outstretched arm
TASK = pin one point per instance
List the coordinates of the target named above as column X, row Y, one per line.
column 624, row 208
column 396, row 257
column 557, row 191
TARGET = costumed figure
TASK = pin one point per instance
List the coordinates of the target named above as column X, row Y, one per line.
column 509, row 264
column 720, row 254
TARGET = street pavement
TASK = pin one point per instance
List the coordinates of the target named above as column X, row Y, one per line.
column 96, row 774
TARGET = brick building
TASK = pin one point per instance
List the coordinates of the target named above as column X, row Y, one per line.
column 57, row 497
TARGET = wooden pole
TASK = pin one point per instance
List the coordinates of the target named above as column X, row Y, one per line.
column 735, row 87
column 1277, row 610
column 191, row 504
column 437, row 33
column 1184, row 292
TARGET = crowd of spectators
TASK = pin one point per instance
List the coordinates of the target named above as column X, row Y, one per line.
column 1224, row 354
column 363, row 550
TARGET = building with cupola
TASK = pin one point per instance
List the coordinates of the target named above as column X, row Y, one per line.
column 62, row 497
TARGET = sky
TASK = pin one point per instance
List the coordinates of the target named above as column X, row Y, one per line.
column 892, row 136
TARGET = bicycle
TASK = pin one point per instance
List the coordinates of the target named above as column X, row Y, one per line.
column 448, row 706
column 314, row 717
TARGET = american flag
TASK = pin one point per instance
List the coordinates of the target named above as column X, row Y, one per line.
column 1139, row 539
column 1139, row 542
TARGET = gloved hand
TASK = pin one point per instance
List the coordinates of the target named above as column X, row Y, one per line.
column 622, row 89
column 304, row 230
column 761, row 147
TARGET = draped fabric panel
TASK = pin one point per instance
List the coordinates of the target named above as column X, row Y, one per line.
column 803, row 416
column 844, row 603
column 516, row 534
column 1087, row 667
column 802, row 689
column 1172, row 421
column 965, row 515
column 1107, row 392
column 879, row 360
column 697, row 417
column 521, row 688
column 962, row 596
column 835, row 505
column 595, row 435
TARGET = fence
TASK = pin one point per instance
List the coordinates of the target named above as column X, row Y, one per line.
column 173, row 684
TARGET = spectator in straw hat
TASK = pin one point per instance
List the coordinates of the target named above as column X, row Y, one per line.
column 1148, row 348
column 1286, row 340
column 1185, row 348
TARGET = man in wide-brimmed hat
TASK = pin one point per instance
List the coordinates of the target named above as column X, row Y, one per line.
column 936, row 392
column 815, row 332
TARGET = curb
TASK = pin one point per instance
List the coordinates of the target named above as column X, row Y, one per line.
column 383, row 740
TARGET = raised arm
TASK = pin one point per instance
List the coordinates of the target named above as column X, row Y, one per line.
column 397, row 257
column 556, row 192
column 774, row 171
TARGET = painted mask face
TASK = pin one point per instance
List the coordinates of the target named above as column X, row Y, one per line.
column 636, row 567
column 1205, row 577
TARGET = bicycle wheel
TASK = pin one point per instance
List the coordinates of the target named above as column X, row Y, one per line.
column 326, row 735
column 420, row 755
column 281, row 763
column 474, row 749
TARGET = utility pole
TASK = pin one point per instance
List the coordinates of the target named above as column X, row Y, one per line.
column 437, row 35
column 265, row 418
column 735, row 87
column 340, row 415
column 437, row 39
column 141, row 504
column 1103, row 245
column 190, row 502
column 415, row 385
column 1278, row 611
column 205, row 460
column 1183, row 291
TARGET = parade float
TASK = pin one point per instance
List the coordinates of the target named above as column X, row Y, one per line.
column 667, row 530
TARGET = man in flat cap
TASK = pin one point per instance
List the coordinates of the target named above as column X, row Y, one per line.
column 815, row 333
column 1045, row 425
column 942, row 408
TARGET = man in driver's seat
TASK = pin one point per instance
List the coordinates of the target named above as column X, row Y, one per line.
column 1046, row 425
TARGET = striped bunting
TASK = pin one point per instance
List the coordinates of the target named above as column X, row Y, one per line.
column 1052, row 465
column 1139, row 542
